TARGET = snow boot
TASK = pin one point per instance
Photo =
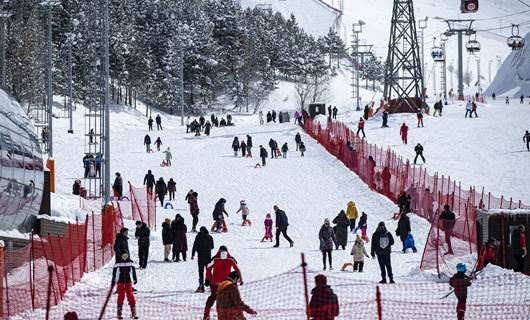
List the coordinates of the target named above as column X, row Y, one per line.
column 133, row 312
column 291, row 244
column 119, row 311
column 200, row 289
column 383, row 281
column 392, row 280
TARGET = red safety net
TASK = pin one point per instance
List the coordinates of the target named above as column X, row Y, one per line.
column 86, row 246
column 429, row 193
column 143, row 206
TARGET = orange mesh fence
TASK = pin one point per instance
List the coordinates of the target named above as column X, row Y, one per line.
column 429, row 193
column 143, row 206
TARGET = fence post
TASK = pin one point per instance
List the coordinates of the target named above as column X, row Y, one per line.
column 32, row 271
column 378, row 302
column 49, row 292
column 64, row 265
column 72, row 252
column 2, row 272
column 306, row 291
column 109, row 294
column 93, row 242
column 49, row 266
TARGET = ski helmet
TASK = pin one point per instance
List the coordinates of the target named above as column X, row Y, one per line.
column 461, row 267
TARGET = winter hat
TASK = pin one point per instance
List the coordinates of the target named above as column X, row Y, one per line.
column 461, row 267
column 321, row 280
column 203, row 229
column 326, row 222
column 447, row 207
column 122, row 230
column 234, row 276
column 242, row 202
column 167, row 220
column 223, row 248
column 138, row 223
column 117, row 174
column 358, row 238
column 381, row 224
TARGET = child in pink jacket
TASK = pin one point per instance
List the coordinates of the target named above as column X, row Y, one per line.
column 268, row 228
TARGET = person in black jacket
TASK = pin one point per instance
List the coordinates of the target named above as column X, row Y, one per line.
column 171, row 188
column 118, row 186
column 249, row 146
column 404, row 229
column 150, row 123
column 167, row 238
column 180, row 240
column 419, row 153
column 298, row 140
column 149, row 181
column 121, row 244
column 281, row 227
column 285, row 148
column 121, row 277
column 203, row 246
column 269, row 117
column 263, row 155
column 273, row 116
column 207, row 128
column 142, row 235
column 448, row 220
column 147, row 143
column 217, row 214
column 158, row 122
column 161, row 190
column 235, row 146
column 273, row 145
column 385, row 120
column 243, row 147
column 382, row 242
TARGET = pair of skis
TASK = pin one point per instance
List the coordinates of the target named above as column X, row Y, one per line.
column 473, row 275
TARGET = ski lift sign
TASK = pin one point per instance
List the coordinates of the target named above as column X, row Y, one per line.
column 469, row 6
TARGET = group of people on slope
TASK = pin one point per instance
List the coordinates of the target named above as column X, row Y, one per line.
column 202, row 125
column 158, row 120
column 160, row 187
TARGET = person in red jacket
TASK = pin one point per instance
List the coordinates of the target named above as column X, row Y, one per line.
column 360, row 127
column 488, row 254
column 386, row 176
column 217, row 271
column 404, row 133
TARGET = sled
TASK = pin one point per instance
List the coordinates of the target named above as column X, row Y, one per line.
column 168, row 204
column 164, row 164
column 150, row 151
column 257, row 166
column 246, row 222
column 214, row 227
column 278, row 153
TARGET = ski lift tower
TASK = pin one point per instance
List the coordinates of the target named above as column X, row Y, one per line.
column 460, row 28
column 404, row 74
column 357, row 29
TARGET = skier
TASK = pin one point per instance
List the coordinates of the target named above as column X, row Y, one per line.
column 268, row 228
column 142, row 234
column 282, row 223
column 147, row 143
column 158, row 143
column 460, row 281
column 284, row 150
column 261, row 122
column 180, row 241
column 118, row 186
column 526, row 138
column 324, row 304
column 469, row 109
column 360, row 127
column 263, row 155
column 341, row 229
column 194, row 209
column 121, row 244
column 167, row 238
column 448, row 223
column 207, row 128
column 382, row 242
column 358, row 252
column 507, row 100
column 203, row 246
column 158, row 120
column 243, row 208
column 335, row 111
column 121, row 277
column 273, row 116
column 229, row 303
column 235, row 146
column 419, row 153
column 269, row 117
column 161, row 190
column 403, row 231
column 404, row 132
column 386, row 176
column 150, row 124
column 298, row 140
column 217, row 271
column 327, row 239
column 352, row 213
column 302, row 149
column 249, row 146
column 419, row 115
column 385, row 120
column 171, row 188
column 273, row 145
column 149, row 181
column 474, row 109
column 217, row 214
column 243, row 147
column 169, row 156
column 519, row 251
column 488, row 254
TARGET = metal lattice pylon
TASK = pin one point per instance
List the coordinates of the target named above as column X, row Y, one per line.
column 403, row 74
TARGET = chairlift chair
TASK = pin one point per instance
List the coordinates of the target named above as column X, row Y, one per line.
column 515, row 41
column 473, row 46
column 469, row 6
column 437, row 54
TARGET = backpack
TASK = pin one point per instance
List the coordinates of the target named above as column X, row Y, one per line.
column 383, row 241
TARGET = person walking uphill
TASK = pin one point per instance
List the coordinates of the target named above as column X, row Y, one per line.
column 121, row 277
column 158, row 120
column 324, row 303
column 169, row 156
column 342, row 223
column 150, row 124
column 180, row 241
column 161, row 190
column 142, row 234
column 118, row 186
column 327, row 239
column 217, row 271
column 352, row 213
column 235, row 146
column 229, row 303
column 167, row 238
column 263, row 155
column 382, row 242
column 460, row 282
column 285, row 148
column 121, row 244
column 147, row 143
column 282, row 223
column 360, row 127
column 171, row 188
column 273, row 145
column 249, row 146
column 158, row 143
column 297, row 140
column 149, row 181
column 202, row 246
column 194, row 209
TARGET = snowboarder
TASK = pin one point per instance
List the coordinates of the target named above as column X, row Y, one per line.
column 469, row 109
column 149, row 181
column 302, row 149
column 352, row 213
column 404, row 132
column 217, row 271
column 121, row 277
column 519, row 251
column 142, row 234
column 118, row 186
column 335, row 111
column 147, row 143
column 268, row 228
column 207, row 128
column 298, row 140
column 460, row 282
column 419, row 115
column 260, row 115
column 282, row 223
column 273, row 145
column 203, row 246
column 158, row 120
column 385, row 120
column 161, row 190
column 284, row 150
column 169, row 156
column 263, row 155
column 403, row 231
column 358, row 252
column 229, row 303
column 273, row 116
column 249, row 146
column 217, row 214
column 235, row 146
column 194, row 208
column 327, row 239
column 243, row 147
column 158, row 143
column 150, row 124
column 324, row 303
column 341, row 230
column 448, row 223
column 419, row 153
column 167, row 238
column 382, row 242
column 121, row 244
column 171, row 188
column 360, row 127
column 526, row 138
column 243, row 208
column 180, row 241
column 385, row 177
